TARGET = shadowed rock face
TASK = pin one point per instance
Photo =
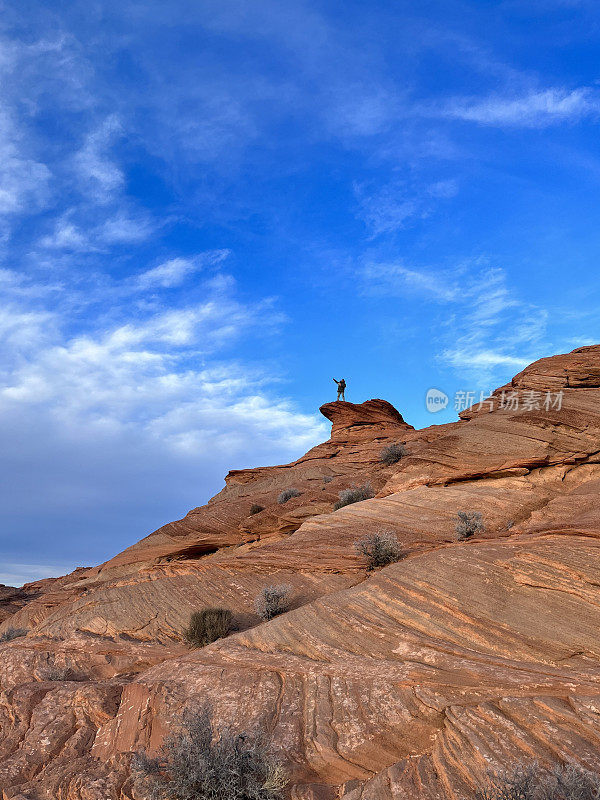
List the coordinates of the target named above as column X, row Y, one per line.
column 411, row 681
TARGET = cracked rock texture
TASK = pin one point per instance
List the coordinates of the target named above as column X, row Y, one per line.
column 410, row 681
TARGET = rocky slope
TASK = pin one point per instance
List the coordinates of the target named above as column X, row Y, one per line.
column 411, row 680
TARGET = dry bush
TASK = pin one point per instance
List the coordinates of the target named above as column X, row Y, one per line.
column 380, row 549
column 468, row 524
column 12, row 633
column 354, row 495
column 192, row 763
column 207, row 626
column 287, row 494
column 327, row 478
column 256, row 509
column 532, row 782
column 54, row 672
column 273, row 600
column 392, row 453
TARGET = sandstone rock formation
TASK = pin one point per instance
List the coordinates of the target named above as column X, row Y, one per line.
column 413, row 680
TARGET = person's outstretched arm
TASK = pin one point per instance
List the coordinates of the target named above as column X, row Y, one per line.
column 336, row 381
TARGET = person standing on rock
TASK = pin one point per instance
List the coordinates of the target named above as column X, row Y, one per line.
column 341, row 389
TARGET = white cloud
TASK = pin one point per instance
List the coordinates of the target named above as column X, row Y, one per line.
column 484, row 359
column 175, row 271
column 24, row 181
column 386, row 212
column 394, row 279
column 22, row 328
column 393, row 207
column 122, row 228
column 77, row 176
column 484, row 324
column 133, row 422
column 533, row 110
column 125, row 228
column 491, row 326
column 66, row 236
column 97, row 172
column 129, row 367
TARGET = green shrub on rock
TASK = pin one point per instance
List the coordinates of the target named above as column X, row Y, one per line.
column 207, row 626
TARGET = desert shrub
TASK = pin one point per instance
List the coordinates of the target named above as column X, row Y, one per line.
column 12, row 633
column 468, row 524
column 256, row 509
column 380, row 549
column 54, row 672
column 327, row 478
column 273, row 600
column 287, row 494
column 354, row 495
column 207, row 626
column 392, row 453
column 531, row 782
column 192, row 763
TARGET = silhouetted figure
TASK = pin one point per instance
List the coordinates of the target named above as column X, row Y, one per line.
column 341, row 388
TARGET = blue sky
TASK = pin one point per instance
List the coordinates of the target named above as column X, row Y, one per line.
column 209, row 209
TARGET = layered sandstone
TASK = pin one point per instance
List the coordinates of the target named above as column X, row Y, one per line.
column 411, row 681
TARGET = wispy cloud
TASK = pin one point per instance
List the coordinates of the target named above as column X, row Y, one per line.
column 24, row 181
column 483, row 361
column 97, row 173
column 535, row 109
column 492, row 326
column 483, row 322
column 175, row 271
column 125, row 228
column 394, row 279
column 90, row 235
column 393, row 207
column 74, row 177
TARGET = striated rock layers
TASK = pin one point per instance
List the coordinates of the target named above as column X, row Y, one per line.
column 409, row 681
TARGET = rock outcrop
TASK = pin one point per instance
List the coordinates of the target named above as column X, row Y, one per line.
column 413, row 680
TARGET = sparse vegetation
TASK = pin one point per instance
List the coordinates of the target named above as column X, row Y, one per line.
column 256, row 509
column 379, row 549
column 12, row 633
column 193, row 763
column 207, row 626
column 327, row 478
column 287, row 494
column 354, row 495
column 54, row 672
column 570, row 782
column 468, row 524
column 392, row 453
column 273, row 600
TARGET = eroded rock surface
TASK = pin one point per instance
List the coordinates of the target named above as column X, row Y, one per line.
column 410, row 681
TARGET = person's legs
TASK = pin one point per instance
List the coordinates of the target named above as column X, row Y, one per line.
column 341, row 395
